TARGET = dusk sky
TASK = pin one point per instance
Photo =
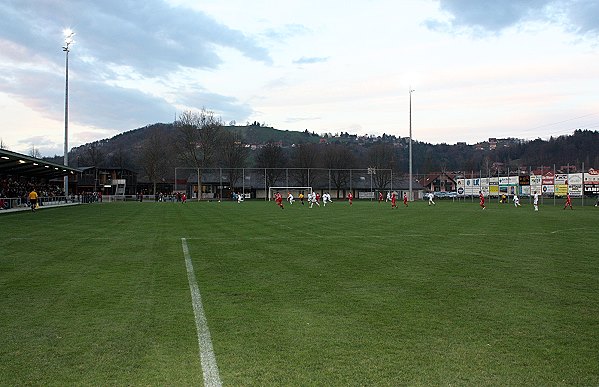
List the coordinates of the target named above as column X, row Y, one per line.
column 480, row 69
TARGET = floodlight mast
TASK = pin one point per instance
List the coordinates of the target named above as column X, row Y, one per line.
column 68, row 40
column 410, row 146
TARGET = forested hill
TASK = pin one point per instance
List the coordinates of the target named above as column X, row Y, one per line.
column 387, row 151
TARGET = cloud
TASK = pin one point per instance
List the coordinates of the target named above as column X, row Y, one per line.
column 292, row 120
column 583, row 16
column 115, row 40
column 305, row 60
column 287, row 31
column 491, row 16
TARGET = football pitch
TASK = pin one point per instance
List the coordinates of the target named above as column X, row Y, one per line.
column 448, row 294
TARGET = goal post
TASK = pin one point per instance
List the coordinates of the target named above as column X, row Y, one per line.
column 295, row 191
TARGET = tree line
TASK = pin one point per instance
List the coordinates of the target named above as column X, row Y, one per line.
column 200, row 140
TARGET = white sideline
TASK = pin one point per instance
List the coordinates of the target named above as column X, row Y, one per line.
column 207, row 358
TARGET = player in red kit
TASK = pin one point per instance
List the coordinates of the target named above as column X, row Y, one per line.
column 393, row 200
column 568, row 202
column 482, row 199
column 405, row 199
column 350, row 198
column 279, row 200
column 380, row 197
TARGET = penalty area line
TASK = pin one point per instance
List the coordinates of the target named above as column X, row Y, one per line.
column 207, row 358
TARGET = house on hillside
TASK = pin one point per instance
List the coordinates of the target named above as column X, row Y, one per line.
column 439, row 182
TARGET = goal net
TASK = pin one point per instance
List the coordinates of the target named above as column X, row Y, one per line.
column 295, row 191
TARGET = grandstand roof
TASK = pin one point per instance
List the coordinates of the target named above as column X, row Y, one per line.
column 12, row 163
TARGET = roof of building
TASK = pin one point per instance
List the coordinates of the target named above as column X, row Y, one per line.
column 434, row 175
column 13, row 163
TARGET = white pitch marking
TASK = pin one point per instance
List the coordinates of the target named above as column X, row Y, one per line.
column 207, row 358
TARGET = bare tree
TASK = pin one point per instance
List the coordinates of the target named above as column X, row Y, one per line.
column 120, row 159
column 306, row 156
column 3, row 144
column 93, row 154
column 272, row 158
column 199, row 139
column 339, row 159
column 381, row 157
column 154, row 157
column 233, row 156
column 35, row 152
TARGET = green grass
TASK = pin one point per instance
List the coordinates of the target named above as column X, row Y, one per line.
column 98, row 294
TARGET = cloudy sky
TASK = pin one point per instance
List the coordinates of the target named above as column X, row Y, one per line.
column 479, row 68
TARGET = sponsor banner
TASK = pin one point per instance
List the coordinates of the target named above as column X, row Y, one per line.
column 548, row 179
column 536, row 183
column 484, row 186
column 591, row 189
column 591, row 178
column 536, row 180
column 561, row 189
column 365, row 195
column 575, row 178
column 575, row 184
column 508, row 180
column 561, row 179
column 525, row 190
column 472, row 186
column 524, row 180
column 548, row 189
column 460, row 183
column 508, row 189
column 494, row 190
column 485, row 190
column 575, row 189
column 494, row 181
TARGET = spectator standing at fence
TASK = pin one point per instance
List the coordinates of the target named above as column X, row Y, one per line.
column 33, row 199
column 568, row 202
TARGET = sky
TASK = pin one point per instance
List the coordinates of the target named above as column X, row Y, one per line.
column 478, row 68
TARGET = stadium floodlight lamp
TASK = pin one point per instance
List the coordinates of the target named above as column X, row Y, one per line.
column 68, row 40
column 410, row 182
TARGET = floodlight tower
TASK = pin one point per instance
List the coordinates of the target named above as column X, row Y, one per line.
column 68, row 40
column 410, row 147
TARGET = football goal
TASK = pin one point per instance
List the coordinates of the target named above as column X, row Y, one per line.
column 295, row 191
